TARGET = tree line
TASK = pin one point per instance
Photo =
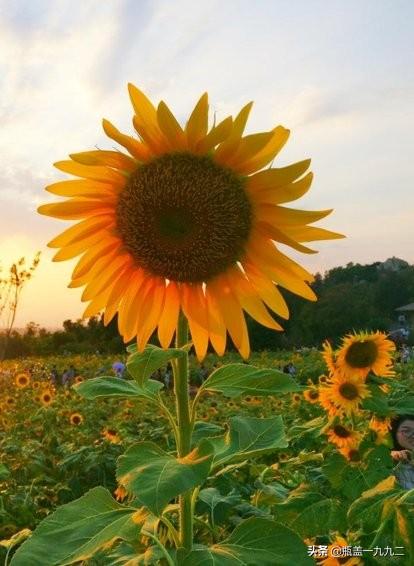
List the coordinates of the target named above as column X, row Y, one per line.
column 353, row 297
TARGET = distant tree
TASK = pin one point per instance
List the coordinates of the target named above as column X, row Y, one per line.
column 11, row 287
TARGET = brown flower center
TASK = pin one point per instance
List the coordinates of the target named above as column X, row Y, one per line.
column 184, row 217
column 341, row 431
column 349, row 391
column 361, row 354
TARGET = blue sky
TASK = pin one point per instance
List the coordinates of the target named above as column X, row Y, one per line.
column 338, row 74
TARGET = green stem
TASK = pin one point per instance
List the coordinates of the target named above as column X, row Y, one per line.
column 182, row 400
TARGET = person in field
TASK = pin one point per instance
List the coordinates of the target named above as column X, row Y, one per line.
column 402, row 432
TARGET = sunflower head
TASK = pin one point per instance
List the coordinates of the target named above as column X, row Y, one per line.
column 343, row 436
column 76, row 419
column 346, row 393
column 22, row 380
column 187, row 219
column 78, row 379
column 111, row 435
column 46, row 398
column 311, row 395
column 365, row 352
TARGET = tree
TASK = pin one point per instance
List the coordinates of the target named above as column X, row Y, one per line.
column 11, row 287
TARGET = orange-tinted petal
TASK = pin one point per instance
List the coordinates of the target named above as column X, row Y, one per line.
column 278, row 177
column 216, row 326
column 171, row 128
column 269, row 152
column 197, row 125
column 73, row 250
column 114, row 159
column 215, row 136
column 133, row 146
column 150, row 312
column 169, row 317
column 98, row 284
column 81, row 230
column 195, row 310
column 83, row 188
column 75, row 209
column 280, row 215
column 266, row 289
column 97, row 173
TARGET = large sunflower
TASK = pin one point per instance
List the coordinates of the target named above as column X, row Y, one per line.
column 365, row 352
column 187, row 219
column 343, row 436
column 346, row 393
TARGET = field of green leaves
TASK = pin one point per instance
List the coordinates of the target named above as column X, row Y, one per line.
column 277, row 456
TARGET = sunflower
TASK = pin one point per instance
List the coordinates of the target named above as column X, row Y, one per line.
column 311, row 395
column 111, row 435
column 296, row 398
column 36, row 384
column 22, row 380
column 78, row 379
column 346, row 393
column 46, row 398
column 381, row 426
column 364, row 352
column 329, row 357
column 326, row 403
column 187, row 219
column 9, row 401
column 344, row 437
column 120, row 493
column 76, row 419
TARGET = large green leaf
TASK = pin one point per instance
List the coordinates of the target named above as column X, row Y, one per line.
column 155, row 477
column 239, row 379
column 141, row 365
column 75, row 531
column 253, row 542
column 117, row 387
column 216, row 505
column 377, row 402
column 311, row 514
column 247, row 437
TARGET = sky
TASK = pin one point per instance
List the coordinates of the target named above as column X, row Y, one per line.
column 338, row 74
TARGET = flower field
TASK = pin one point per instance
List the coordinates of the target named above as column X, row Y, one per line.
column 308, row 457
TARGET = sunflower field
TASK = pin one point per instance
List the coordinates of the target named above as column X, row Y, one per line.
column 303, row 461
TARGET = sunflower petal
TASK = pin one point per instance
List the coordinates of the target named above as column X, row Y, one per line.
column 287, row 193
column 87, row 261
column 269, row 152
column 215, row 136
column 102, row 263
column 75, row 209
column 274, row 233
column 81, row 230
column 230, row 145
column 77, row 248
column 114, row 159
column 170, row 127
column 195, row 310
column 266, row 289
column 278, row 177
column 249, row 299
column 232, row 313
column 85, row 188
column 248, row 147
column 216, row 326
column 283, row 216
column 99, row 301
column 95, row 172
column 142, row 105
column 149, row 319
column 133, row 146
column 169, row 318
column 98, row 284
column 311, row 233
column 116, row 296
column 197, row 125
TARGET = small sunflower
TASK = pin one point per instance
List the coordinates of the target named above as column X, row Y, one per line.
column 22, row 380
column 327, row 404
column 323, row 379
column 36, row 384
column 365, row 352
column 311, row 395
column 296, row 398
column 111, row 435
column 351, row 453
column 9, row 401
column 346, row 393
column 188, row 219
column 344, row 437
column 120, row 493
column 46, row 398
column 78, row 379
column 283, row 456
column 76, row 419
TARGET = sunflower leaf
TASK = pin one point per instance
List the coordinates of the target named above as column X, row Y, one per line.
column 255, row 541
column 241, row 379
column 249, row 437
column 156, row 477
column 107, row 386
column 75, row 531
column 141, row 365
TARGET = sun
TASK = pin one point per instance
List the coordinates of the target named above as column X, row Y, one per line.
column 365, row 352
column 188, row 219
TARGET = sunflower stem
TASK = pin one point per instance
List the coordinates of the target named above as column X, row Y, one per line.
column 182, row 400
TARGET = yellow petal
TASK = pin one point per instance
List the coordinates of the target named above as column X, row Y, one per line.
column 248, row 147
column 269, row 152
column 274, row 233
column 73, row 250
column 75, row 209
column 266, row 289
column 278, row 177
column 86, row 188
column 195, row 310
column 249, row 299
column 142, row 105
column 215, row 136
column 114, row 159
column 100, row 301
column 88, row 260
column 127, row 314
column 150, row 312
column 98, row 284
column 100, row 265
column 232, row 313
column 311, row 233
column 216, row 326
column 240, row 120
column 197, row 125
column 287, row 193
column 170, row 127
column 81, row 230
column 230, row 145
column 97, row 173
column 168, row 321
column 133, row 146
column 283, row 216
column 117, row 294
column 153, row 138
